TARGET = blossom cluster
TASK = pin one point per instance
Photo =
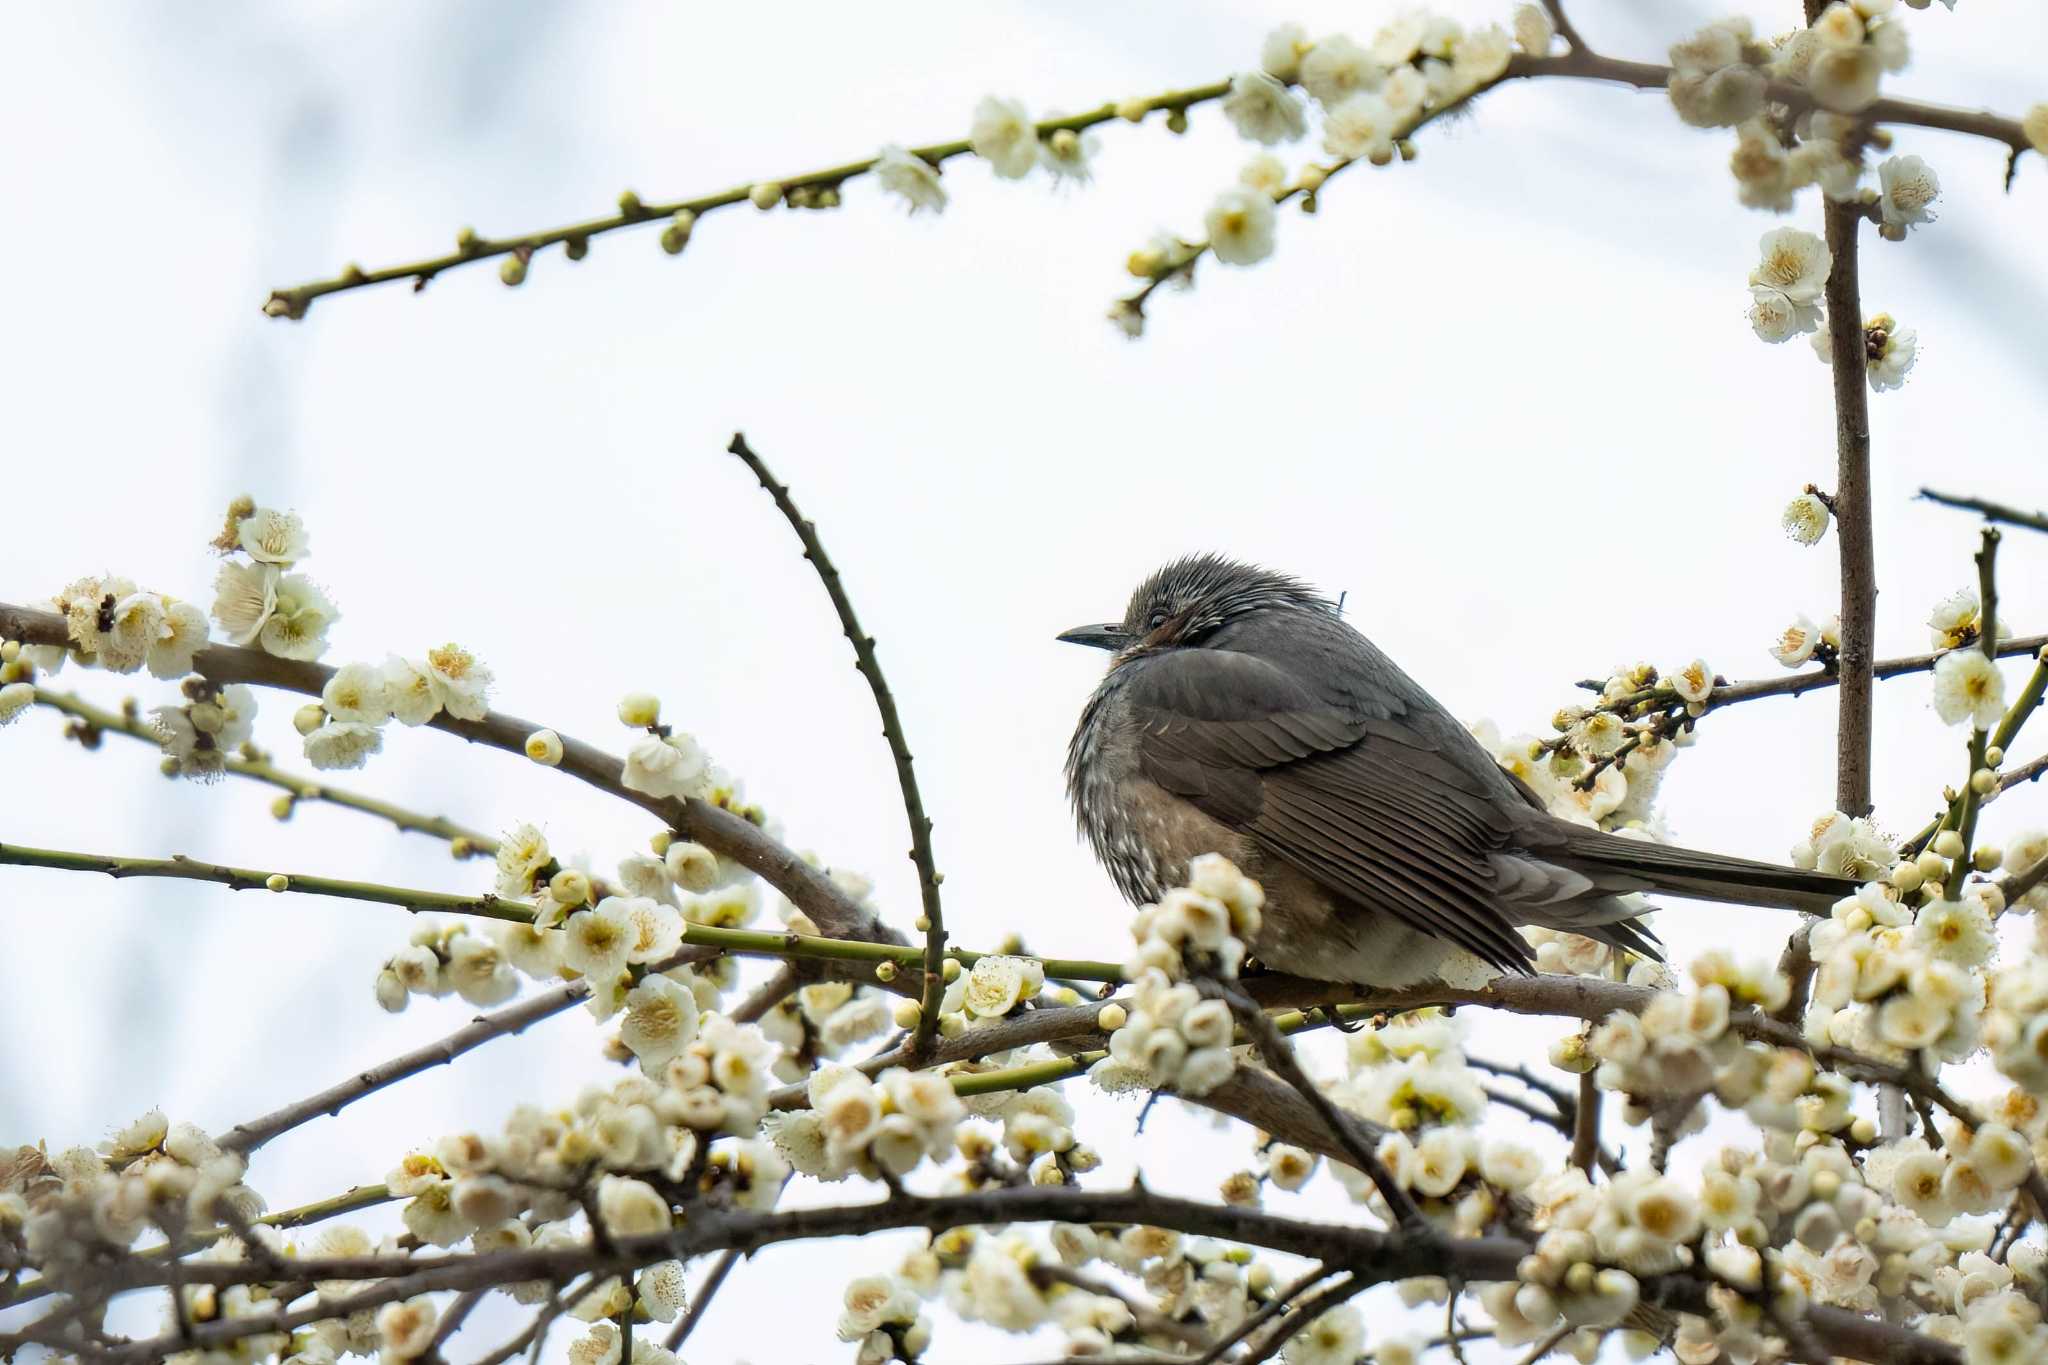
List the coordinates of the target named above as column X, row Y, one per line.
column 1368, row 97
column 1170, row 1035
column 1723, row 77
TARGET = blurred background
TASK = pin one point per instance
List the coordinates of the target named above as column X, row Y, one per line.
column 1504, row 397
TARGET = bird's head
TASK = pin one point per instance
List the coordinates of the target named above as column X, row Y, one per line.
column 1185, row 603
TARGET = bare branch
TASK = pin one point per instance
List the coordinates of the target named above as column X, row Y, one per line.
column 694, row 1314
column 1992, row 511
column 870, row 666
column 247, row 1137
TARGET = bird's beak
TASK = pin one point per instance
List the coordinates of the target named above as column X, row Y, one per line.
column 1109, row 635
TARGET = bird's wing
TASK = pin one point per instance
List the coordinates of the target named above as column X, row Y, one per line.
column 1366, row 804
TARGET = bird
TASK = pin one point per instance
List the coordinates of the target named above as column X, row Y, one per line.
column 1241, row 714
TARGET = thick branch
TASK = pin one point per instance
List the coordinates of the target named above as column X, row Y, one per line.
column 1370, row 1255
column 870, row 666
column 1852, row 512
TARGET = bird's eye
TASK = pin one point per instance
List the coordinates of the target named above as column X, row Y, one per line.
column 1156, row 619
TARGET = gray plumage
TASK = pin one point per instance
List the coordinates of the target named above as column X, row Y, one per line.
column 1242, row 715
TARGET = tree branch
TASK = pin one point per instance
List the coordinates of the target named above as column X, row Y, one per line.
column 1992, row 511
column 297, row 786
column 870, row 665
column 1852, row 511
column 247, row 1137
column 1967, row 797
column 723, row 832
column 1579, row 64
column 707, row 1291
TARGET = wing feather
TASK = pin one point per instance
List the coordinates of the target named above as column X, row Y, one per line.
column 1371, row 807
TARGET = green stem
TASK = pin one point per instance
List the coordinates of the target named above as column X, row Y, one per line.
column 753, row 942
column 292, row 303
column 1980, row 740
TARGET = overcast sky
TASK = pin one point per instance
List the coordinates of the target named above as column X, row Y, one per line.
column 1505, row 397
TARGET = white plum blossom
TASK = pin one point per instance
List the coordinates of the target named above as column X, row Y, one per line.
column 1337, row 68
column 1889, row 352
column 356, row 692
column 409, row 688
column 1845, row 79
column 15, row 698
column 300, row 614
column 1263, row 110
column 1775, row 318
column 182, row 635
column 2034, row 123
column 661, row 1020
column 1909, row 186
column 1264, row 173
column 667, row 766
column 1534, row 32
column 343, row 744
column 1968, row 686
column 1805, row 518
column 1003, row 135
column 1240, row 225
column 460, row 684
column 272, row 537
column 1066, row 155
column 244, row 597
column 910, row 177
column 1362, row 126
column 1281, row 53
column 1794, row 262
column 600, row 940
column 1335, row 1338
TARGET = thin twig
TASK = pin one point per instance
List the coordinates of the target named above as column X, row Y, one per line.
column 694, row 1314
column 870, row 666
column 1279, row 1304
column 1147, row 1317
column 248, row 1136
column 772, row 992
column 451, row 1321
column 1992, row 511
column 1279, row 1055
column 1580, row 63
column 536, row 1331
column 1322, row 1301
column 1546, row 1346
column 297, row 786
column 1563, row 24
column 1967, row 796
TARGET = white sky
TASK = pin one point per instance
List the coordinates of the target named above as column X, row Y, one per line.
column 1505, row 397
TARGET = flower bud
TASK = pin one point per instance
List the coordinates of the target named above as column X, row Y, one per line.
column 309, row 718
column 640, row 710
column 544, row 747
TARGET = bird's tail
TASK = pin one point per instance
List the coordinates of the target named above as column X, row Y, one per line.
column 1617, row 864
